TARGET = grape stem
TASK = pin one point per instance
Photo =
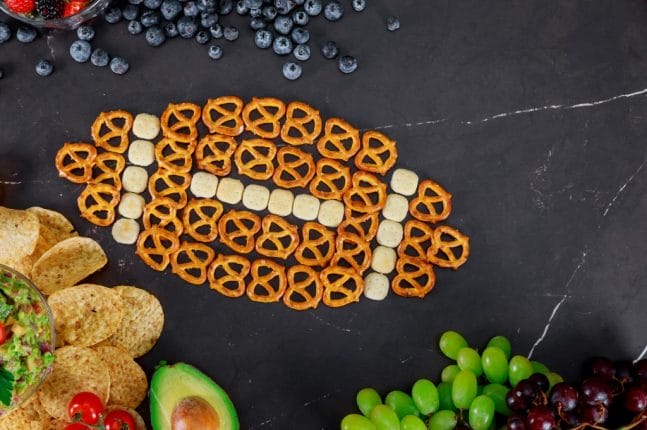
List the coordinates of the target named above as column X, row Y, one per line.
column 636, row 421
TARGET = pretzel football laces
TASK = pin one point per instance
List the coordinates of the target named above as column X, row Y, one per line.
column 227, row 273
column 200, row 219
column 262, row 117
column 449, row 248
column 213, row 154
column 155, row 246
column 74, row 161
column 302, row 124
column 304, row 290
column 268, row 283
column 222, row 115
column 191, row 260
column 237, row 230
column 295, row 168
column 415, row 277
column 110, row 130
column 178, row 122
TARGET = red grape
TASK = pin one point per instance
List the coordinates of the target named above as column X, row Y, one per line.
column 540, row 418
column 516, row 422
column 635, row 400
column 563, row 397
column 600, row 366
column 623, row 371
column 640, row 369
column 595, row 390
column 594, row 414
column 540, row 381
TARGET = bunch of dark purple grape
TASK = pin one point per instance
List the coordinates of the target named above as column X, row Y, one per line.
column 610, row 395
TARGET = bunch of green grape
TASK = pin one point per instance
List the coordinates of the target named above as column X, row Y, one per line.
column 471, row 393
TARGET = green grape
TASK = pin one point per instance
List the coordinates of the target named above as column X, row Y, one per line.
column 367, row 399
column 425, row 396
column 464, row 389
column 520, row 368
column 401, row 403
column 356, row 422
column 469, row 359
column 451, row 342
column 503, row 344
column 445, row 397
column 449, row 373
column 384, row 418
column 498, row 393
column 538, row 367
column 481, row 413
column 412, row 422
column 443, row 420
column 554, row 378
column 495, row 365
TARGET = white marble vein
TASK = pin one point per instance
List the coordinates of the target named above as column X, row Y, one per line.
column 10, row 182
column 318, row 399
column 49, row 39
column 329, row 324
column 642, row 355
column 622, row 188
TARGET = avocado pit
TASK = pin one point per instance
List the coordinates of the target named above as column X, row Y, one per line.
column 194, row 413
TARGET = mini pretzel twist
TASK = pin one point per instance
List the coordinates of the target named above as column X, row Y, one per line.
column 417, row 234
column 331, row 180
column 155, row 246
column 269, row 111
column 450, row 252
column 352, row 251
column 198, row 256
column 162, row 212
column 260, row 288
column 317, row 246
column 97, row 203
column 214, row 153
column 200, row 219
column 415, row 278
column 376, row 158
column 367, row 194
column 166, row 183
column 108, row 134
column 171, row 156
column 295, row 130
column 228, row 122
column 261, row 164
column 178, row 122
column 289, row 161
column 342, row 286
column 305, row 293
column 363, row 225
column 279, row 238
column 109, row 165
column 74, row 162
column 236, row 268
column 340, row 140
column 244, row 226
column 425, row 205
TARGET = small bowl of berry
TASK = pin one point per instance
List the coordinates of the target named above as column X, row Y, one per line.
column 58, row 14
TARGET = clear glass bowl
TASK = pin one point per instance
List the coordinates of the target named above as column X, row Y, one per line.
column 31, row 390
column 94, row 8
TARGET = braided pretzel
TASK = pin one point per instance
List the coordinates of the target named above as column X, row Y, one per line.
column 363, row 225
column 198, row 256
column 97, row 203
column 211, row 156
column 244, row 225
column 162, row 212
column 171, row 156
column 279, row 238
column 225, row 116
column 109, row 135
column 451, row 253
column 108, row 166
column 417, row 234
column 274, row 273
column 317, row 246
column 298, row 125
column 74, row 162
column 260, row 166
column 408, row 283
column 331, row 180
column 174, row 186
column 352, row 251
column 289, row 161
column 376, row 159
column 264, row 117
column 367, row 194
column 157, row 254
column 200, row 215
column 298, row 295
column 340, row 140
column 342, row 286
column 179, row 121
column 424, row 205
column 232, row 275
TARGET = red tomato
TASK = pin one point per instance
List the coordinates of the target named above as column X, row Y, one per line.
column 76, row 426
column 119, row 420
column 85, row 407
column 73, row 7
column 3, row 334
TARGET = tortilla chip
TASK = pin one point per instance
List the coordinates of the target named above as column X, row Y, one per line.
column 86, row 314
column 54, row 228
column 76, row 369
column 19, row 235
column 56, row 425
column 142, row 323
column 139, row 421
column 128, row 383
column 67, row 263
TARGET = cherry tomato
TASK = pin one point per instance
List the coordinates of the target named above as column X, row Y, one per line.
column 76, row 426
column 85, row 407
column 73, row 7
column 119, row 420
column 3, row 334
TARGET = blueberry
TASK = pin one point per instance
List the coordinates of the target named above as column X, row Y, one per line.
column 392, row 23
column 216, row 31
column 300, row 17
column 153, row 4
column 170, row 9
column 202, row 37
column 347, row 64
column 300, row 35
column 187, row 27
column 155, row 36
column 284, row 6
column 99, row 58
column 312, row 7
column 208, row 6
column 191, row 9
column 44, row 68
column 253, row 4
column 208, row 19
column 215, row 52
column 26, row 34
column 226, row 6
column 257, row 24
column 130, row 12
column 113, row 15
column 256, row 12
column 269, row 12
column 135, row 2
column 135, row 27
column 85, row 32
column 170, row 29
column 333, row 11
column 5, row 32
column 263, row 39
column 359, row 5
column 329, row 50
column 292, row 71
column 80, row 51
column 119, row 66
column 230, row 33
column 150, row 18
column 283, row 24
column 241, row 9
column 301, row 52
column 282, row 45
column 1, row 73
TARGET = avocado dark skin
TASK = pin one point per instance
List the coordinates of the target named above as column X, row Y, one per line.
column 193, row 413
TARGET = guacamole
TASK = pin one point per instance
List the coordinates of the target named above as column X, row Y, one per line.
column 25, row 338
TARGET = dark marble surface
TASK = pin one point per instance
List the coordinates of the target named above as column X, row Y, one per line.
column 532, row 113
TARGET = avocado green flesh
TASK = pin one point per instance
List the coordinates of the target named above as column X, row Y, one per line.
column 172, row 383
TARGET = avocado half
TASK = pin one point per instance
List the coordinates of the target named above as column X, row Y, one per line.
column 175, row 383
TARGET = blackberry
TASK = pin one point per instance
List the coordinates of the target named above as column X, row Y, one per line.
column 50, row 9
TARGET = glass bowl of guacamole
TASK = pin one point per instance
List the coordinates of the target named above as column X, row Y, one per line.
column 27, row 339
